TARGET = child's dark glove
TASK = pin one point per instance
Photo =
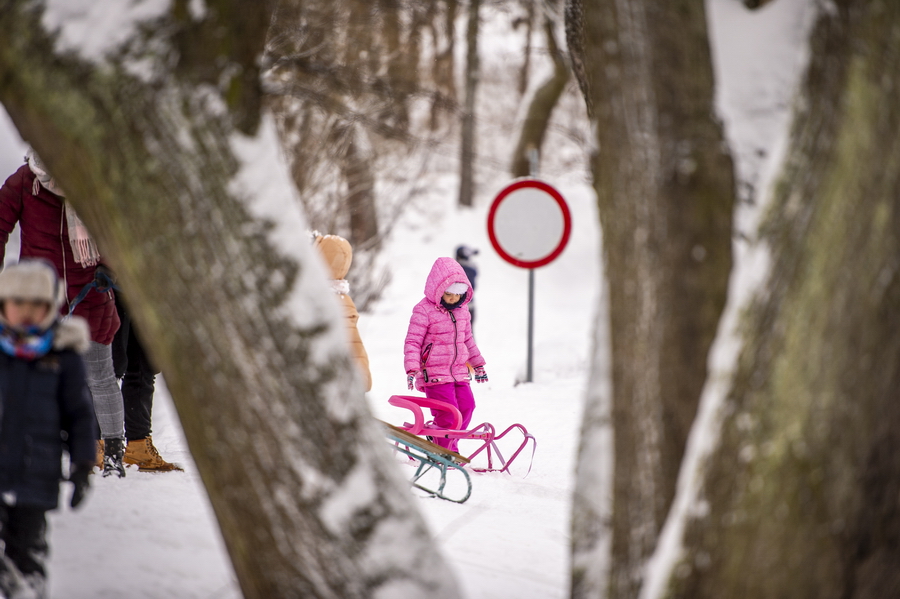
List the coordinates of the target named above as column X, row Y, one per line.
column 480, row 375
column 80, row 478
column 411, row 380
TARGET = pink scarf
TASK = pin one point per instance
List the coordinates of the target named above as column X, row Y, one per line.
column 84, row 249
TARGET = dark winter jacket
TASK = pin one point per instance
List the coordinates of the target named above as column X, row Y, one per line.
column 41, row 400
column 439, row 342
column 45, row 234
column 471, row 272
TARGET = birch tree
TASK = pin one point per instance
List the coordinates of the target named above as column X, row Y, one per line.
column 150, row 115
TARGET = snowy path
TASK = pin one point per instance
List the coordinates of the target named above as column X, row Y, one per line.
column 153, row 535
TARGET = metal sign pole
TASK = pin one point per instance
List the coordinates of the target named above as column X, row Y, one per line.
column 534, row 161
column 528, row 377
column 523, row 224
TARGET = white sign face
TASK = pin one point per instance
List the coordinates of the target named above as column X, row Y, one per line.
column 529, row 223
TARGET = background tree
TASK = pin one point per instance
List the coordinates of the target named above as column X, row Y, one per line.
column 344, row 80
column 545, row 98
column 799, row 493
column 365, row 98
column 467, row 139
column 527, row 21
column 665, row 190
column 158, row 136
column 790, row 488
column 322, row 58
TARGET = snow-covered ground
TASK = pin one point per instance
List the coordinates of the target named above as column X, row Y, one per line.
column 154, row 536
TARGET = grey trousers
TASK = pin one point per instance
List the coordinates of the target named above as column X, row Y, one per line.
column 101, row 380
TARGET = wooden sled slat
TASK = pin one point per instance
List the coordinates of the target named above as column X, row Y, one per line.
column 429, row 456
column 426, row 444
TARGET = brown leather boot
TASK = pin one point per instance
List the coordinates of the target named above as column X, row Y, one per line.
column 100, row 452
column 143, row 454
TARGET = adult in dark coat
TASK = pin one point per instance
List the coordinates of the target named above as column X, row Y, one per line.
column 44, row 399
column 51, row 230
column 138, row 375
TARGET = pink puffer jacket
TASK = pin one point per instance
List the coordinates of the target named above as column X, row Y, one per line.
column 439, row 342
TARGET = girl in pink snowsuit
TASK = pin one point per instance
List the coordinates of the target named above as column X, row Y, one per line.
column 439, row 345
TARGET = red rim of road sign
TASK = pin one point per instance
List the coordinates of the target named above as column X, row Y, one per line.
column 567, row 222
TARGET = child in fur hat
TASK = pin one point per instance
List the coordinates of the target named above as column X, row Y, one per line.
column 44, row 399
column 439, row 345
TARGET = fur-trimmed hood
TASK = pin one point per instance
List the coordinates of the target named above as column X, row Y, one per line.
column 446, row 272
column 337, row 253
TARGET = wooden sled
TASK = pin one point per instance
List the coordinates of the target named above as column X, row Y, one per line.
column 429, row 456
column 484, row 433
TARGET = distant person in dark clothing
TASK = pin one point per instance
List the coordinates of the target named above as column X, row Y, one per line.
column 138, row 376
column 464, row 255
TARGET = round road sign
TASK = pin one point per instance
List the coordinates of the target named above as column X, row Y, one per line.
column 529, row 223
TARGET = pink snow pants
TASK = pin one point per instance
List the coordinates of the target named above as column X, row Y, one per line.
column 457, row 394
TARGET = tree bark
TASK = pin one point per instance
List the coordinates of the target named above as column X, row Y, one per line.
column 665, row 192
column 531, row 137
column 360, row 202
column 443, row 72
column 800, row 492
column 528, row 22
column 323, row 111
column 467, row 141
column 157, row 144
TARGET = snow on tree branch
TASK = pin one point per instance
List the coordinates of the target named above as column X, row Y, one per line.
column 94, row 28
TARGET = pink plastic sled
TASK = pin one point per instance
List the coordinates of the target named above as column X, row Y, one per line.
column 484, row 432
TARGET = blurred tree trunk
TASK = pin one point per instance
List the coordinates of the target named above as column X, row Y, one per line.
column 401, row 61
column 531, row 137
column 801, row 491
column 323, row 55
column 163, row 148
column 443, row 73
column 665, row 190
column 357, row 169
column 528, row 22
column 467, row 141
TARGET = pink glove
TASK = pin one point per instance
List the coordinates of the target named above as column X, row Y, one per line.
column 480, row 375
column 411, row 380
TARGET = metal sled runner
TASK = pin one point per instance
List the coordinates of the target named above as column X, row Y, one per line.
column 430, row 457
column 484, row 433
